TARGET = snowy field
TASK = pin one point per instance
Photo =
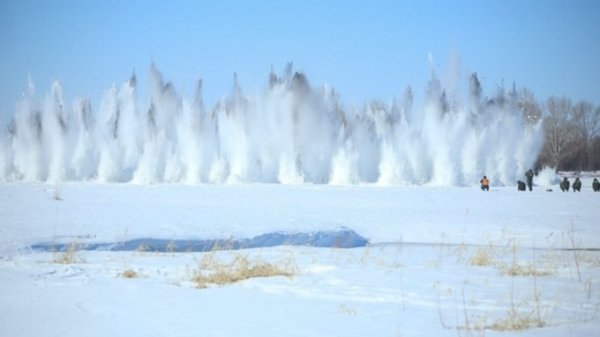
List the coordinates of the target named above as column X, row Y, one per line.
column 440, row 261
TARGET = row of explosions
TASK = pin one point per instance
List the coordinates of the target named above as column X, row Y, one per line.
column 290, row 133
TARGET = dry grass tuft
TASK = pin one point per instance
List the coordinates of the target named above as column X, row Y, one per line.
column 524, row 270
column 481, row 258
column 517, row 321
column 129, row 273
column 69, row 256
column 213, row 271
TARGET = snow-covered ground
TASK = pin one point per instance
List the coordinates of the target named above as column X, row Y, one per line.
column 441, row 261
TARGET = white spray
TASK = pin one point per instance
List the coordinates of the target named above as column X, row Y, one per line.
column 290, row 133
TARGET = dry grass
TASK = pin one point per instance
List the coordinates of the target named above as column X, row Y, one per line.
column 516, row 269
column 69, row 256
column 589, row 258
column 213, row 271
column 129, row 273
column 516, row 321
column 481, row 258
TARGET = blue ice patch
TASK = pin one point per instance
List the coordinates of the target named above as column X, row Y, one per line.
column 341, row 238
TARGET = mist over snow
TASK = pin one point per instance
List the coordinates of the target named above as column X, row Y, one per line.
column 292, row 132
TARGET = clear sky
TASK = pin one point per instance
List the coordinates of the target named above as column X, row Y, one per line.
column 365, row 49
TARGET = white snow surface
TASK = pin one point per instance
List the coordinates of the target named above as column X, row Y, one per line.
column 421, row 275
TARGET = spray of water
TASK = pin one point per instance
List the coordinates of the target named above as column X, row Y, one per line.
column 290, row 133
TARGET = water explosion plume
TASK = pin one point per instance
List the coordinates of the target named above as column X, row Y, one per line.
column 290, row 133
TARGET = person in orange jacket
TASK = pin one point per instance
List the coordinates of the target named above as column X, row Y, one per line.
column 485, row 184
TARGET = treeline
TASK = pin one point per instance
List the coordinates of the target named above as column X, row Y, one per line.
column 571, row 131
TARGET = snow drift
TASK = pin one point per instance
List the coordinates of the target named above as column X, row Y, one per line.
column 290, row 133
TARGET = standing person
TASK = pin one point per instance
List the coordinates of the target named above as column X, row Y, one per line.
column 529, row 175
column 596, row 185
column 564, row 185
column 485, row 184
column 577, row 185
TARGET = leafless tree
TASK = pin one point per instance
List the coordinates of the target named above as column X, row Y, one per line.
column 586, row 127
column 558, row 131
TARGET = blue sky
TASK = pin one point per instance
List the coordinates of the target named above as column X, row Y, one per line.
column 365, row 49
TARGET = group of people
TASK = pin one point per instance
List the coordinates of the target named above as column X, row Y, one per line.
column 565, row 184
column 485, row 182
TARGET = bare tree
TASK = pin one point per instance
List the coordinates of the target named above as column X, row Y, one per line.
column 558, row 131
column 586, row 127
